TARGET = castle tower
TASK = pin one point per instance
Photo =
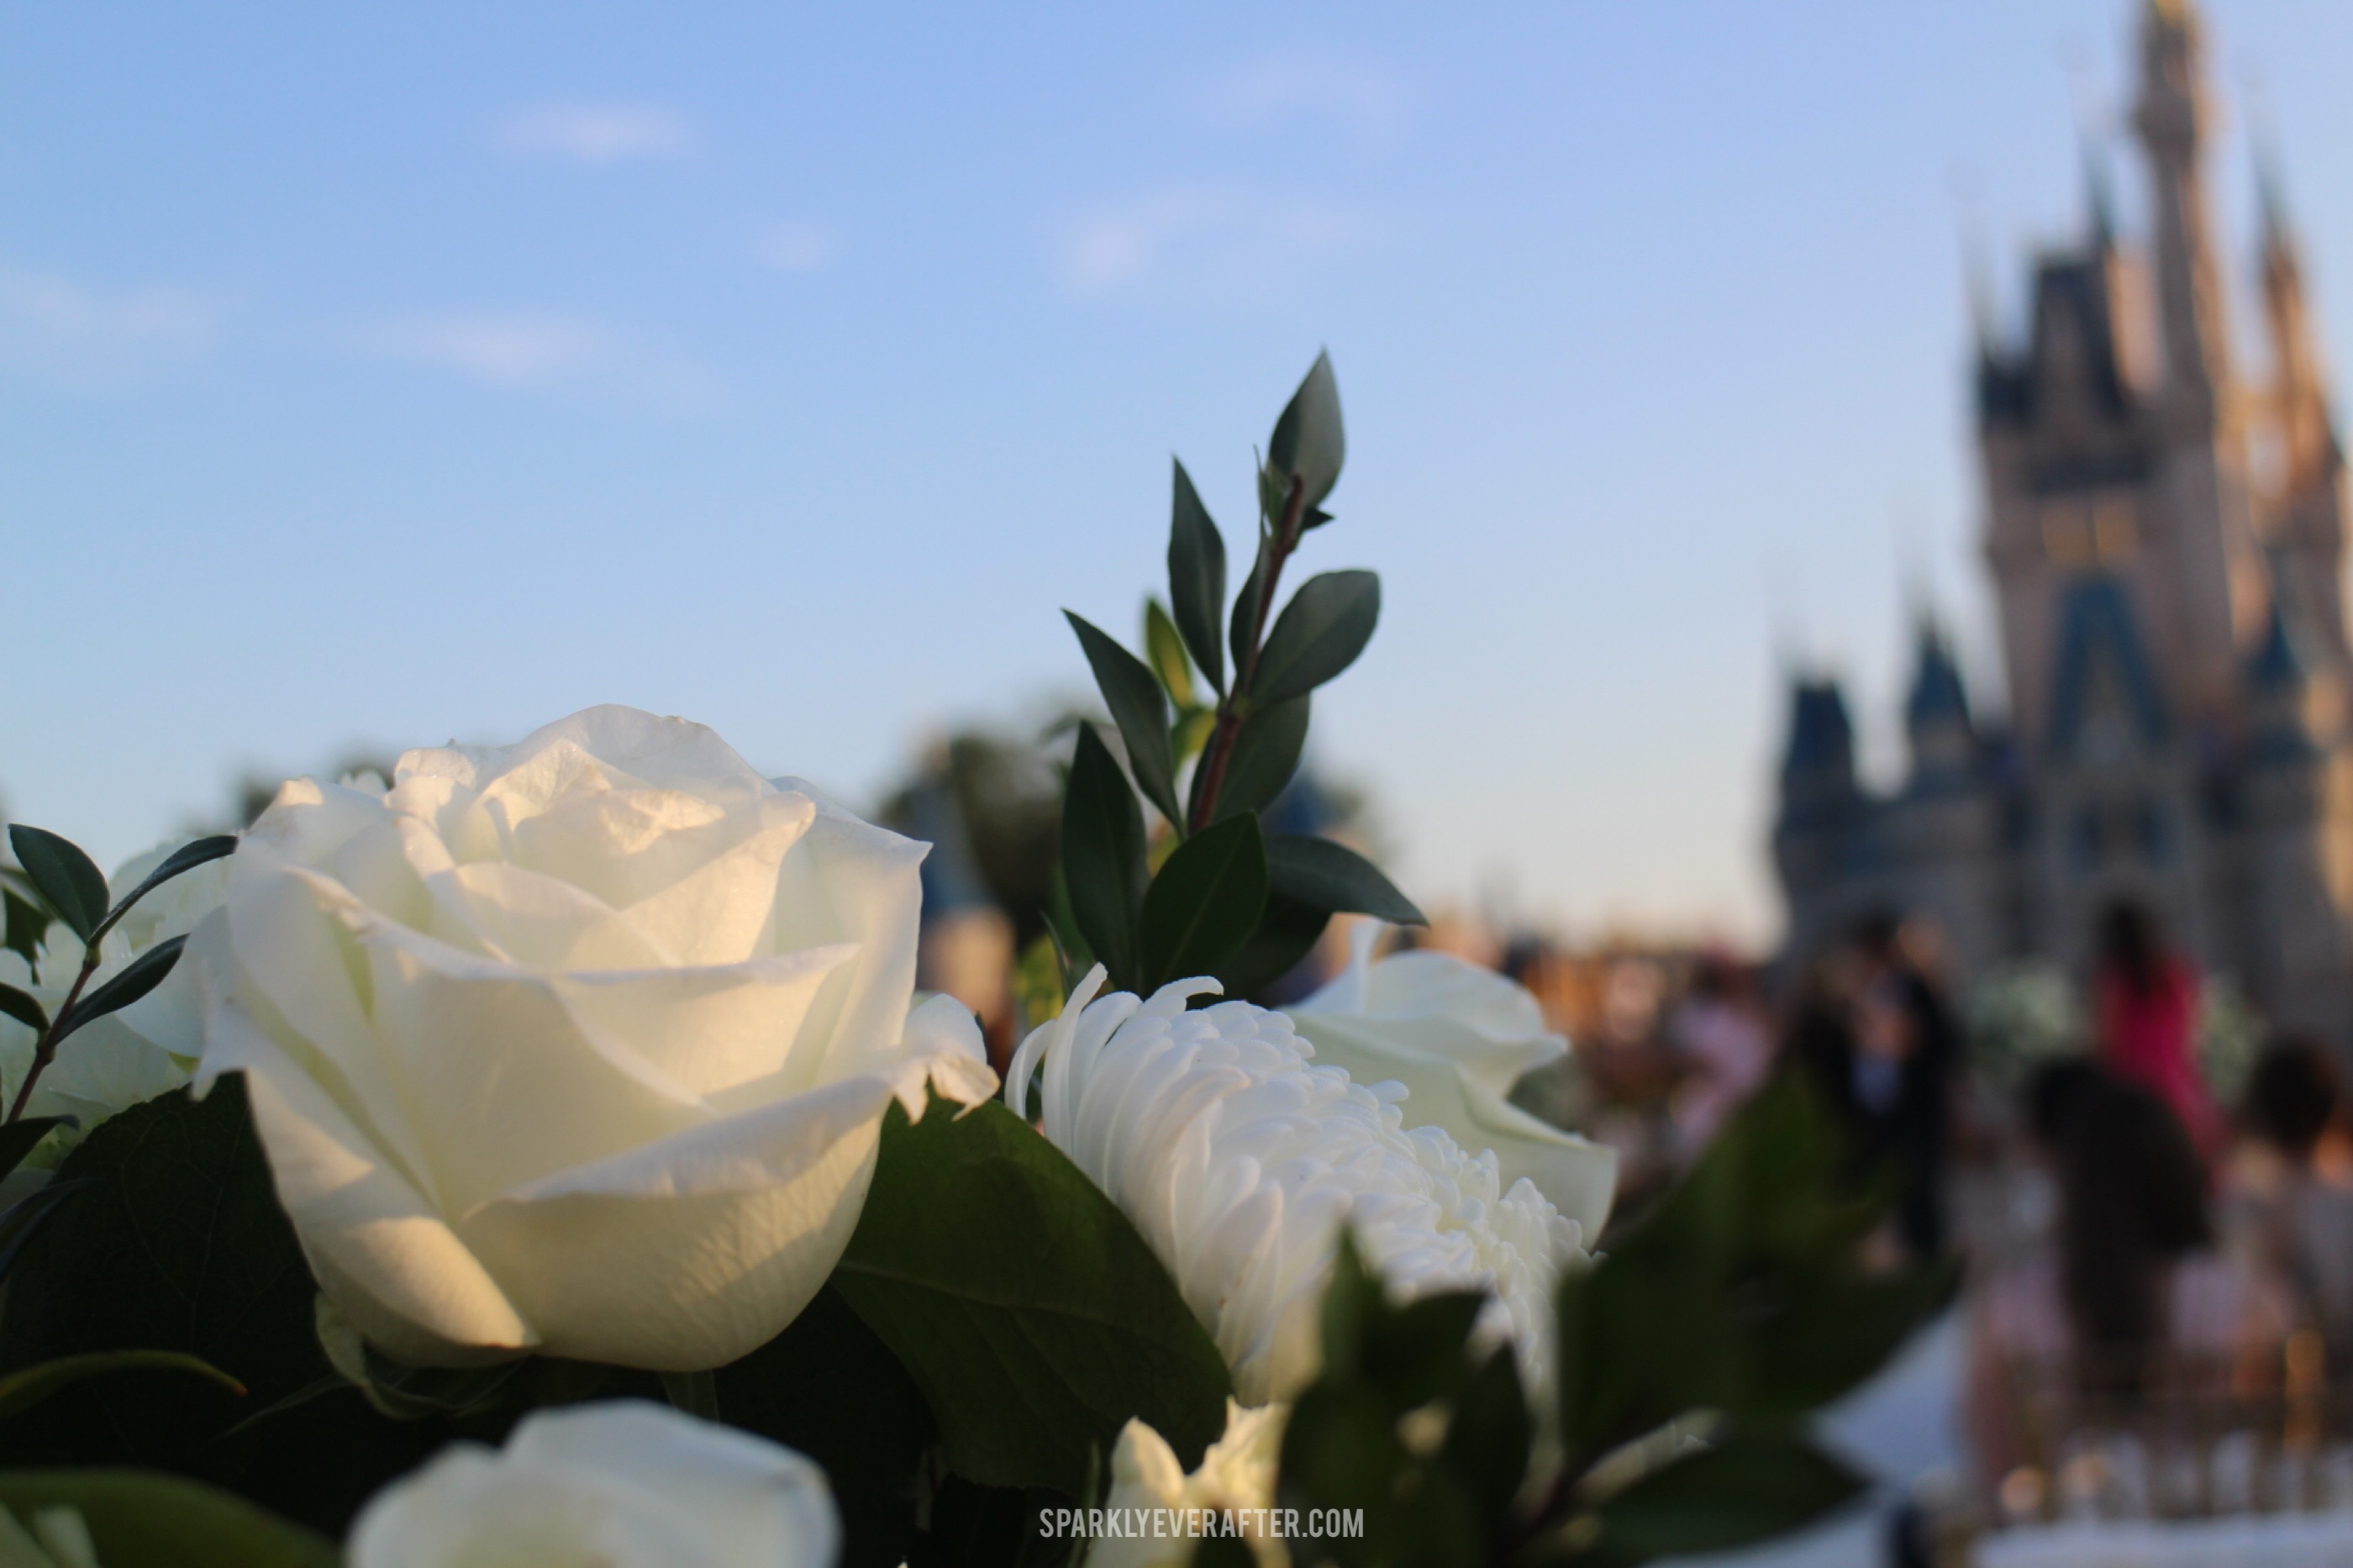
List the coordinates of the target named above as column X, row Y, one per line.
column 1823, row 811
column 2202, row 587
column 2061, row 421
column 1936, row 714
column 2306, row 473
column 1945, row 830
column 2172, row 117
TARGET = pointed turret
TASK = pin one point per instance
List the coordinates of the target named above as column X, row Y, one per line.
column 1817, row 766
column 2300, row 389
column 2279, row 664
column 2281, row 717
column 2304, row 487
column 2099, row 196
column 1825, row 818
column 2172, row 118
column 1936, row 714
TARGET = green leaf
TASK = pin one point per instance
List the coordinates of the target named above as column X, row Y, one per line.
column 20, row 1391
column 1839, row 1330
column 1062, row 924
column 403, row 1393
column 1196, row 579
column 27, row 924
column 1038, row 987
column 1191, row 734
column 1266, row 754
column 1247, row 604
column 75, row 887
column 1488, row 1438
column 1167, row 652
column 1340, row 1450
column 1386, row 1368
column 1023, row 1304
column 1204, row 903
column 136, row 1517
column 1140, row 710
column 1749, row 1487
column 1102, row 855
column 1287, row 932
column 1413, row 1352
column 23, row 1008
column 1308, row 443
column 829, row 1388
column 1739, row 1291
column 135, row 980
column 1352, row 1301
column 1319, row 633
column 1271, row 487
column 187, row 857
column 1328, row 876
column 20, row 1220
column 19, row 1138
column 174, row 1240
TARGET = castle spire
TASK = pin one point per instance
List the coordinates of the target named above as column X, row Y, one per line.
column 2099, row 194
column 2172, row 118
column 2301, row 390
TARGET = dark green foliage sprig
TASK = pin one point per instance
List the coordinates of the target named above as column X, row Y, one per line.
column 1406, row 1424
column 1229, row 899
column 60, row 883
column 1690, row 1357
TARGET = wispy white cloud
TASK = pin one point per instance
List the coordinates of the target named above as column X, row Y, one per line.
column 501, row 351
column 524, row 352
column 1367, row 98
column 597, row 133
column 59, row 326
column 1214, row 239
column 801, row 247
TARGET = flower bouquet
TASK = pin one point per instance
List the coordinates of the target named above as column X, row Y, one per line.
column 543, row 1156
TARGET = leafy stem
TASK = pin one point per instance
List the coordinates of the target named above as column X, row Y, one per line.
column 70, row 885
column 1220, row 750
column 45, row 1049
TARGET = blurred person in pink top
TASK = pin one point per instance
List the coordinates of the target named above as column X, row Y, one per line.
column 2149, row 1015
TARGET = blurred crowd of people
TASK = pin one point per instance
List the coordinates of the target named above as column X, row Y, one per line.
column 2159, row 1304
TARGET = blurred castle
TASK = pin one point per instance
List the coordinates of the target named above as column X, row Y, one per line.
column 2166, row 542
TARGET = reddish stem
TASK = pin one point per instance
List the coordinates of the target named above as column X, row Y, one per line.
column 1229, row 724
column 45, row 1049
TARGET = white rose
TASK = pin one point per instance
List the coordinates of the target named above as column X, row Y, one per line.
column 1459, row 1036
column 580, row 1046
column 1240, row 1160
column 623, row 1485
column 147, row 1049
column 1237, row 1477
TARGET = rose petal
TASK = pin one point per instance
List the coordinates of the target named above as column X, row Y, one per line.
column 624, row 1485
column 505, row 1083
column 849, row 881
column 747, row 1216
column 426, row 1299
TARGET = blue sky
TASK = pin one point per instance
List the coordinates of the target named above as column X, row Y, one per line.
column 370, row 377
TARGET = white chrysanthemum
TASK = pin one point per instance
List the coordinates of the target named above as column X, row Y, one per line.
column 1240, row 1160
column 1237, row 1477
